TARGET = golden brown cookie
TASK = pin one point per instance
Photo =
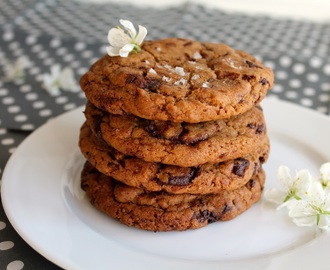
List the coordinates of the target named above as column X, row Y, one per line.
column 206, row 178
column 181, row 144
column 178, row 80
column 160, row 211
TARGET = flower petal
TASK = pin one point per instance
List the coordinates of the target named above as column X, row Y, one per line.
column 302, row 182
column 284, row 178
column 141, row 35
column 305, row 221
column 325, row 172
column 124, row 51
column 118, row 38
column 113, row 51
column 275, row 195
column 129, row 27
column 324, row 222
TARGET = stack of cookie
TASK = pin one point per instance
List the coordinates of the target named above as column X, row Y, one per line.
column 174, row 135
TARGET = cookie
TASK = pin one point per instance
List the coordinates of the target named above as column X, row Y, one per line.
column 181, row 144
column 206, row 178
column 178, row 80
column 160, row 211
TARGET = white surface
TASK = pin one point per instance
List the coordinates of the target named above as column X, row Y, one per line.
column 43, row 201
column 316, row 10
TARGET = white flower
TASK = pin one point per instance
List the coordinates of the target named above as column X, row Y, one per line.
column 15, row 71
column 325, row 175
column 122, row 42
column 59, row 79
column 314, row 209
column 291, row 188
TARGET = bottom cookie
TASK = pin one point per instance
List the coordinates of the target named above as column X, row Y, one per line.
column 161, row 211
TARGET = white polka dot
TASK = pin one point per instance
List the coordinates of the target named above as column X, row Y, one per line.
column 86, row 54
column 285, row 61
column 61, row 100
column 7, row 141
column 4, row 92
column 34, row 70
column 54, row 43
column 28, row 127
column 31, row 96
column 30, row 40
column 324, row 98
column 295, row 83
column 270, row 64
column 6, row 245
column 2, row 225
column 75, row 64
column 103, row 50
column 45, row 112
column 38, row 104
column 48, row 61
column 298, row 68
column 3, row 131
column 68, row 57
column 281, row 75
column 306, row 102
column 14, row 109
column 312, row 77
column 316, row 62
column 20, row 118
column 25, row 88
column 326, row 69
column 8, row 100
column 7, row 36
column 13, row 45
column 36, row 48
column 291, row 94
column 43, row 54
column 61, row 51
column 325, row 86
column 15, row 265
column 277, row 88
column 79, row 46
column 82, row 71
column 309, row 91
column 69, row 106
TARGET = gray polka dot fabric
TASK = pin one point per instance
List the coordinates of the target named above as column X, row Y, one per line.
column 73, row 34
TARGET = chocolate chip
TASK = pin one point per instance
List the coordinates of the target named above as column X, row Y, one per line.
column 240, row 166
column 152, row 84
column 264, row 81
column 252, row 183
column 248, row 77
column 250, row 64
column 206, row 215
column 184, row 179
column 251, row 125
column 187, row 43
column 260, row 129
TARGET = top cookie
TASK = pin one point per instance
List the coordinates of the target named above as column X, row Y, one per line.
column 178, row 80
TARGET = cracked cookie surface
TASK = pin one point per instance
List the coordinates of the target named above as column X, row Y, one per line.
column 181, row 144
column 160, row 211
column 178, row 80
column 206, row 178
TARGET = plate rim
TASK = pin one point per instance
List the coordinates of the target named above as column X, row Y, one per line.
column 71, row 263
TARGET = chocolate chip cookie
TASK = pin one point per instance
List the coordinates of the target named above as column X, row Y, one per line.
column 178, row 80
column 161, row 211
column 206, row 178
column 181, row 144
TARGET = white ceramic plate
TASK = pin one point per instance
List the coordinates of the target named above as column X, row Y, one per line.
column 43, row 201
